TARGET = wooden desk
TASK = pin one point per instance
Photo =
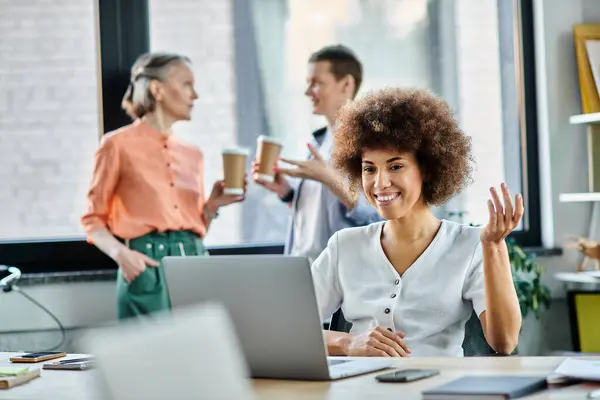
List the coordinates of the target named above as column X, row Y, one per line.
column 77, row 384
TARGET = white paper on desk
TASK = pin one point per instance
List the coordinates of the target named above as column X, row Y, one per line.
column 595, row 274
column 579, row 369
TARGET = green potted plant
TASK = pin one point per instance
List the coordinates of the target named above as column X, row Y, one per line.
column 527, row 272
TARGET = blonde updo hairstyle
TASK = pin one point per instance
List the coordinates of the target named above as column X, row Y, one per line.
column 138, row 100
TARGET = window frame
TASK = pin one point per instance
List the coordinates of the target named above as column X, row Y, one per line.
column 531, row 235
column 122, row 29
column 123, row 35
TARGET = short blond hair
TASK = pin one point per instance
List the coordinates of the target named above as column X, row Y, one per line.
column 138, row 100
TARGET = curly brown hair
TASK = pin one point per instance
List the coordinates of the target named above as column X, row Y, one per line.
column 406, row 120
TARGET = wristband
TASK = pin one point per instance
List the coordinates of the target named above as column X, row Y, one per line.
column 289, row 197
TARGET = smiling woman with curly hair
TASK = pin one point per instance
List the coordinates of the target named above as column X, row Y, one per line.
column 407, row 121
column 410, row 283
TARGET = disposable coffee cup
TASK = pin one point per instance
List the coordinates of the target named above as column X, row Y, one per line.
column 234, row 169
column 267, row 155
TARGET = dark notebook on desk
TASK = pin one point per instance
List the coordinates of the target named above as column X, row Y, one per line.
column 487, row 387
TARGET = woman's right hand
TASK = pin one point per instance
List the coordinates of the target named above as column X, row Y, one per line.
column 378, row 343
column 280, row 185
column 133, row 263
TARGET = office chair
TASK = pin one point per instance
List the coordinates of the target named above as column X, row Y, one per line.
column 474, row 343
column 338, row 323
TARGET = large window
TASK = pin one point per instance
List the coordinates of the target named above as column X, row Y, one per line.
column 250, row 58
column 250, row 62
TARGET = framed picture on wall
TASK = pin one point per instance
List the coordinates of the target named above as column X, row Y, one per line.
column 587, row 51
column 593, row 52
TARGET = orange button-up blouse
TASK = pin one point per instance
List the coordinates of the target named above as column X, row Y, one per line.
column 145, row 181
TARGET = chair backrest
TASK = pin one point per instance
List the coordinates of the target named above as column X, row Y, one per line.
column 474, row 343
column 338, row 322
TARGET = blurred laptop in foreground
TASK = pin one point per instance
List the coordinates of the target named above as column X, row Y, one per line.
column 194, row 354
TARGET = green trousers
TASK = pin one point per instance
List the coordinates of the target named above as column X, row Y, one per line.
column 148, row 293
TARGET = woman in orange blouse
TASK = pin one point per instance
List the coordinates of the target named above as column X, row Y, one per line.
column 146, row 199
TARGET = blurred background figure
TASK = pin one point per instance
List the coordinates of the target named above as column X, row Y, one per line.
column 322, row 202
column 146, row 199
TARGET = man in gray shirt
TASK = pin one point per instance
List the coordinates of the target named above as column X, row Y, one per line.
column 322, row 202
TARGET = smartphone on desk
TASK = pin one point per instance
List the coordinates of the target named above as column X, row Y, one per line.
column 407, row 375
column 38, row 357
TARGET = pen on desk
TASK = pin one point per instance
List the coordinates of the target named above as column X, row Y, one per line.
column 75, row 360
column 594, row 394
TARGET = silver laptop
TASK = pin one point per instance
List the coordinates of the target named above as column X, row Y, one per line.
column 272, row 304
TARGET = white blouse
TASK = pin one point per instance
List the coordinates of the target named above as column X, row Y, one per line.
column 430, row 302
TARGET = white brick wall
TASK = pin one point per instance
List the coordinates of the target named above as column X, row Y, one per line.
column 203, row 30
column 48, row 115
